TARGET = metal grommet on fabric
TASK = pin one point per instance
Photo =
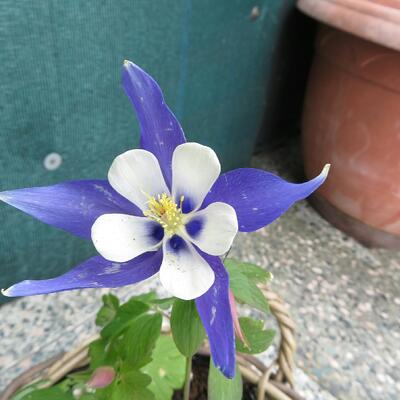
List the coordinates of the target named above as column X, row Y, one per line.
column 255, row 13
column 52, row 161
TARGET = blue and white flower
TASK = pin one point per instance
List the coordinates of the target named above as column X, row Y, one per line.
column 164, row 209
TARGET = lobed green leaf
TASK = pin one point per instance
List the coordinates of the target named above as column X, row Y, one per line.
column 259, row 339
column 124, row 316
column 243, row 279
column 252, row 271
column 130, row 385
column 167, row 369
column 108, row 311
column 139, row 340
column 48, row 394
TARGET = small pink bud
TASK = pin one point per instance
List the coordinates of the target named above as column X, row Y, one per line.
column 101, row 377
column 236, row 324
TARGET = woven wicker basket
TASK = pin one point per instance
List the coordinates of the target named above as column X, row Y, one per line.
column 273, row 382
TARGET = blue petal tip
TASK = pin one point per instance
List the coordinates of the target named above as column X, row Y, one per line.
column 227, row 372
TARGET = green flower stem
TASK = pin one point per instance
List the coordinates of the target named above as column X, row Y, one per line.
column 186, row 389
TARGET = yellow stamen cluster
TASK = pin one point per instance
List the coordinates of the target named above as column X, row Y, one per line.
column 166, row 212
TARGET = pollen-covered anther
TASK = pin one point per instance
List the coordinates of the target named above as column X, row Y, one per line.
column 165, row 211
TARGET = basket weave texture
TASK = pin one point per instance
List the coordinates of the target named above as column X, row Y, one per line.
column 273, row 382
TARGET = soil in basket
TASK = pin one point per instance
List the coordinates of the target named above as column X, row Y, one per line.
column 198, row 389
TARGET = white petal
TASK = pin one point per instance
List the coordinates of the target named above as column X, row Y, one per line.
column 213, row 229
column 195, row 168
column 184, row 273
column 121, row 237
column 136, row 173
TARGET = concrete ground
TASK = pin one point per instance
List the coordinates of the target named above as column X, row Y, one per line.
column 344, row 298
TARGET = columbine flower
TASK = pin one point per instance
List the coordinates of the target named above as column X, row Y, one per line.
column 163, row 209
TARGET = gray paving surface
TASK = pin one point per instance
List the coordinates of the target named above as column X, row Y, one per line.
column 344, row 298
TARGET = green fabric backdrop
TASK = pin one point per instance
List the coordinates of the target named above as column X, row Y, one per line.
column 60, row 92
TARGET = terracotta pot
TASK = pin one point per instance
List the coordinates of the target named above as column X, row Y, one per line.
column 351, row 118
column 375, row 20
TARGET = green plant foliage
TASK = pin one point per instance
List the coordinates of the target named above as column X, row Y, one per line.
column 80, row 376
column 255, row 273
column 167, row 369
column 139, row 340
column 244, row 278
column 252, row 271
column 107, row 312
column 222, row 388
column 52, row 393
column 145, row 297
column 187, row 329
column 123, row 317
column 149, row 366
column 103, row 352
column 259, row 339
column 23, row 392
column 98, row 353
column 126, row 344
column 129, row 385
column 163, row 303
column 151, row 299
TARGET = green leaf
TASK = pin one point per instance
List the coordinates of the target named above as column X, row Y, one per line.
column 259, row 339
column 167, row 369
column 97, row 353
column 139, row 340
column 131, row 385
column 21, row 393
column 66, row 384
column 252, row 271
column 103, row 352
column 80, row 377
column 145, row 297
column 187, row 329
column 243, row 279
column 108, row 311
column 124, row 316
column 163, row 303
column 255, row 273
column 48, row 394
column 151, row 299
column 222, row 388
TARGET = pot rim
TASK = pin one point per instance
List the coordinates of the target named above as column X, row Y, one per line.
column 375, row 22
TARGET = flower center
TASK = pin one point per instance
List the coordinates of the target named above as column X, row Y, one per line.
column 166, row 212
